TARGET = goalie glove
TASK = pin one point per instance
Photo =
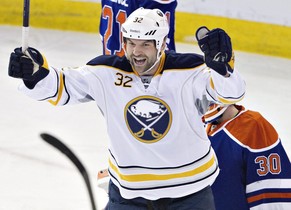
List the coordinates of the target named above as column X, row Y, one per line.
column 217, row 49
column 30, row 66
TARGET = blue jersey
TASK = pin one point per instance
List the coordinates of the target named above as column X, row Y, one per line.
column 115, row 12
column 255, row 169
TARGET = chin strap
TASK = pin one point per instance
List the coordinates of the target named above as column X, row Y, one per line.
column 155, row 63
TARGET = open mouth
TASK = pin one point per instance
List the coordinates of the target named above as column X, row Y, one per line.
column 139, row 61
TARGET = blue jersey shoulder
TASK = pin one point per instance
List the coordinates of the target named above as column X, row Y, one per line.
column 182, row 60
column 113, row 61
column 173, row 60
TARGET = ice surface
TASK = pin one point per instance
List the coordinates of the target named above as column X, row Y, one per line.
column 34, row 176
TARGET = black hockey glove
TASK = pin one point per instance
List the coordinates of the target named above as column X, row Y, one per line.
column 30, row 66
column 217, row 49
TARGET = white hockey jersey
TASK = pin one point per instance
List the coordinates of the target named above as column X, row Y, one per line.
column 158, row 146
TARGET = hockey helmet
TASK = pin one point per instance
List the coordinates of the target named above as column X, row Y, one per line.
column 214, row 112
column 146, row 24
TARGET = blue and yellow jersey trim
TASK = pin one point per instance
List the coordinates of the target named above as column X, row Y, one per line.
column 133, row 177
column 60, row 90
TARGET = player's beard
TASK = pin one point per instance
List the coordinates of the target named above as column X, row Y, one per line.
column 146, row 67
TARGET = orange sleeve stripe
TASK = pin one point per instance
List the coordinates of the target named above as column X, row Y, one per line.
column 268, row 195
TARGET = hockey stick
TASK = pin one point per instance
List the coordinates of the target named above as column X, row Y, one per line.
column 66, row 151
column 25, row 25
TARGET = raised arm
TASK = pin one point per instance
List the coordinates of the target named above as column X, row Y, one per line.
column 45, row 83
column 226, row 85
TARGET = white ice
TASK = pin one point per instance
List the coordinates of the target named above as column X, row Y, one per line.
column 34, row 176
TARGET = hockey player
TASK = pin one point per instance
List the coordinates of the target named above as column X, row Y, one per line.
column 255, row 172
column 153, row 101
column 115, row 12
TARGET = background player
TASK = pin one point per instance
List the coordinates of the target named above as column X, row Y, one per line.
column 255, row 169
column 114, row 13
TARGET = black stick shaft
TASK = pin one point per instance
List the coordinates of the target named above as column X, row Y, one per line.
column 26, row 6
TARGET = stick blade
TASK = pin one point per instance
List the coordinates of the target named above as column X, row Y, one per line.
column 58, row 144
column 53, row 141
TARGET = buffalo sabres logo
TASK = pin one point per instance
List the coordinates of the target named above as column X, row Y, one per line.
column 148, row 118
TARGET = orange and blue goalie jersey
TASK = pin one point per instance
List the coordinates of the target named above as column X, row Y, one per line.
column 115, row 12
column 255, row 169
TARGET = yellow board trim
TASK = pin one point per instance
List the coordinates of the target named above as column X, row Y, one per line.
column 262, row 38
column 156, row 177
